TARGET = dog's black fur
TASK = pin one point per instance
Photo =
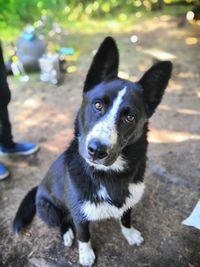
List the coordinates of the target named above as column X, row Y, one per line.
column 72, row 180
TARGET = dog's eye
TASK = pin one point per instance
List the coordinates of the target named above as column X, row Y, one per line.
column 98, row 105
column 130, row 118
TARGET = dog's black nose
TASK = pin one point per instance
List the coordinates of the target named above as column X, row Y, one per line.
column 97, row 150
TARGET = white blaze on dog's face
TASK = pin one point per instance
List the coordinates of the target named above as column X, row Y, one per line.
column 105, row 132
column 105, row 129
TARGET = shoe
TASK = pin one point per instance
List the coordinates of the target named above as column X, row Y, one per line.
column 19, row 149
column 4, row 173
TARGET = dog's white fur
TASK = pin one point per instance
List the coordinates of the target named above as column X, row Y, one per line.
column 132, row 235
column 86, row 254
column 68, row 238
column 105, row 130
column 104, row 209
column 103, row 194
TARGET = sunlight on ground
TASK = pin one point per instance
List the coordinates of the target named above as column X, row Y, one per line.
column 123, row 75
column 188, row 75
column 180, row 110
column 166, row 136
column 165, row 18
column 59, row 141
column 191, row 41
column 31, row 103
column 127, row 76
column 175, row 87
column 34, row 119
column 99, row 25
column 159, row 54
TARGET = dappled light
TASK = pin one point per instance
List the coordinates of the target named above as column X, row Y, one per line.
column 59, row 141
column 31, row 103
column 71, row 69
column 165, row 18
column 123, row 75
column 179, row 110
column 191, row 41
column 159, row 54
column 188, row 75
column 166, row 136
column 49, row 118
column 175, row 87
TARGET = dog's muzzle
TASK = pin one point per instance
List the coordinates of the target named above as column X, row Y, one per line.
column 97, row 150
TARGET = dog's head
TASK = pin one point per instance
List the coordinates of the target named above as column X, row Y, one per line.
column 114, row 111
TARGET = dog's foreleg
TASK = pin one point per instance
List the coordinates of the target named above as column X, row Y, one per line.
column 86, row 253
column 132, row 235
column 66, row 231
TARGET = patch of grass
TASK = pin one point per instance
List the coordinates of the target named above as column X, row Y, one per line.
column 176, row 10
column 116, row 23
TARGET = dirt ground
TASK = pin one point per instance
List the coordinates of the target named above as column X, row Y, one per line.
column 44, row 113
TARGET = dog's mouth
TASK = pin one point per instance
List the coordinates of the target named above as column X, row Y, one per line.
column 112, row 161
column 117, row 164
column 109, row 161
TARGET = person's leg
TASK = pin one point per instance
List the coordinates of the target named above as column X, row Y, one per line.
column 5, row 127
column 7, row 145
column 6, row 138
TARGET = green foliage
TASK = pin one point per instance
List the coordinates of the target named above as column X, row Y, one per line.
column 14, row 14
column 18, row 11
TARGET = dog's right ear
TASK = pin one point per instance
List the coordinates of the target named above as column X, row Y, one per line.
column 105, row 64
column 154, row 82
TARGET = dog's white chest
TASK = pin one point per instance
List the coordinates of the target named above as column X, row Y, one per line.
column 104, row 209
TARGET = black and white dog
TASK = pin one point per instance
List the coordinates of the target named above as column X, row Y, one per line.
column 101, row 174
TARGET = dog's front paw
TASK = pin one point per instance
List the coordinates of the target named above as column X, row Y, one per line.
column 132, row 235
column 86, row 254
column 68, row 238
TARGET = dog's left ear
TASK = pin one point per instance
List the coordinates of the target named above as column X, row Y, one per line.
column 105, row 64
column 154, row 82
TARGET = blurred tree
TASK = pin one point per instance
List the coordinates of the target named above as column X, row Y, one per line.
column 16, row 11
